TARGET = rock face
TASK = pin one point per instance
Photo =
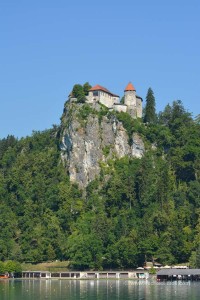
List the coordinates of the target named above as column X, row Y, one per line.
column 88, row 138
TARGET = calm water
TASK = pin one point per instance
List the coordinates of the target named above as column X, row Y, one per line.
column 102, row 289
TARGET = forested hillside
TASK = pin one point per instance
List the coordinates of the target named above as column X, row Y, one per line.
column 137, row 209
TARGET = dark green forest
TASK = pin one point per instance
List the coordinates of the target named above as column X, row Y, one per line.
column 147, row 209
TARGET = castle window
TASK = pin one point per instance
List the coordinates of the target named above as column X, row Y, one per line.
column 95, row 93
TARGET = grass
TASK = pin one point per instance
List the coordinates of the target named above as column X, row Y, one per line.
column 46, row 266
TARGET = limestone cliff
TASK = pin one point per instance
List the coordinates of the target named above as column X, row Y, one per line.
column 91, row 134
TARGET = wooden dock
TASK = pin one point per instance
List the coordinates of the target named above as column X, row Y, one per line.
column 178, row 274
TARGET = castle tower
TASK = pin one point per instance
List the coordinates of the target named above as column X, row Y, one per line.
column 130, row 99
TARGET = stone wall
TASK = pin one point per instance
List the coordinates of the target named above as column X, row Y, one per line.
column 139, row 107
column 120, row 107
column 130, row 98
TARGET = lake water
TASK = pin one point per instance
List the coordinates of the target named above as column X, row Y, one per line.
column 97, row 289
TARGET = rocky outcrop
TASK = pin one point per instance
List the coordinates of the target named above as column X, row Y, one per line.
column 88, row 138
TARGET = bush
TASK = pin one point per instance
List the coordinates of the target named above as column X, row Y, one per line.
column 152, row 271
column 12, row 267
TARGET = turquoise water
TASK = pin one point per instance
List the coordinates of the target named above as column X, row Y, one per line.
column 97, row 289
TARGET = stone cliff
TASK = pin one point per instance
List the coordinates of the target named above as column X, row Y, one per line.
column 90, row 134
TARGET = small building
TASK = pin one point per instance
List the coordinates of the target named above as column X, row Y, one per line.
column 100, row 94
column 178, row 274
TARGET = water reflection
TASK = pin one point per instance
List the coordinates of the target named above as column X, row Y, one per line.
column 96, row 289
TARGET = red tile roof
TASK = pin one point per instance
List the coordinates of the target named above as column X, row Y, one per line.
column 129, row 87
column 101, row 88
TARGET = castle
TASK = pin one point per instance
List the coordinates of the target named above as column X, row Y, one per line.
column 132, row 102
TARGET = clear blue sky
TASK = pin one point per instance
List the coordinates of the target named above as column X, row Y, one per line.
column 48, row 46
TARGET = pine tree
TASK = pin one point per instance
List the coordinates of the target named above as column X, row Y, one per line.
column 150, row 111
column 197, row 119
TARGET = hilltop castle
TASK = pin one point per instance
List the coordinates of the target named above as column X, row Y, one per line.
column 132, row 102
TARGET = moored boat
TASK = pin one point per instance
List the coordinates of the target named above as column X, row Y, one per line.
column 4, row 276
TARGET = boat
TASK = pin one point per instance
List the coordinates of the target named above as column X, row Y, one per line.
column 4, row 276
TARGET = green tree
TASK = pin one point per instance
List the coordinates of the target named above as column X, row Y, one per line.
column 86, row 88
column 150, row 110
column 12, row 266
column 78, row 92
column 197, row 119
column 192, row 260
column 122, row 100
column 197, row 265
column 165, row 116
column 2, row 267
column 85, row 251
column 5, row 143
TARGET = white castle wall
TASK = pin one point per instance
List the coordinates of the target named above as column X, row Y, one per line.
column 103, row 97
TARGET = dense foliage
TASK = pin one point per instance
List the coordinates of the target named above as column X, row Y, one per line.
column 137, row 210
